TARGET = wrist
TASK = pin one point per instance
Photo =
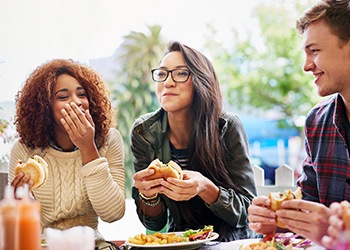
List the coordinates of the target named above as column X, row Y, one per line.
column 142, row 196
column 150, row 201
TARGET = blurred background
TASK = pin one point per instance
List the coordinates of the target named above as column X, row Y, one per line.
column 254, row 47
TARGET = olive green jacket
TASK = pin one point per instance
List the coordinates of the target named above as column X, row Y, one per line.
column 229, row 213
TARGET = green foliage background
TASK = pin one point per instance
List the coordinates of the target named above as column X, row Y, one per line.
column 258, row 74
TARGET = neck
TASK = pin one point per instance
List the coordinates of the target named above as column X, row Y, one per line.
column 179, row 130
column 63, row 141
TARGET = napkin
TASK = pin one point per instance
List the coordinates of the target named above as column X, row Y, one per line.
column 75, row 238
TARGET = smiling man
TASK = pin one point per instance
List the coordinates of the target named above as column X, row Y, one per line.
column 325, row 28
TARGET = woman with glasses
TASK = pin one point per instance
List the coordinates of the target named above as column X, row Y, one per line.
column 210, row 145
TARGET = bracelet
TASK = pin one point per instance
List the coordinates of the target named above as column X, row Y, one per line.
column 151, row 204
column 143, row 197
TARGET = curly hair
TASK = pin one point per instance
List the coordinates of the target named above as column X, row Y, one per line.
column 34, row 119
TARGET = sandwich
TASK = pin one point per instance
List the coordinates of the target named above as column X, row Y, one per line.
column 161, row 170
column 276, row 199
column 36, row 167
column 345, row 213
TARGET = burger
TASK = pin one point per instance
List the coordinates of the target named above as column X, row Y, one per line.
column 162, row 170
column 37, row 167
column 276, row 199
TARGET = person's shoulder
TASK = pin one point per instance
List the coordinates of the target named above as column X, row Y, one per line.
column 324, row 105
column 114, row 134
column 229, row 117
column 18, row 145
column 230, row 122
column 148, row 118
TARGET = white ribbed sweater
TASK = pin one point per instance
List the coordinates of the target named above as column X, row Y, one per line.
column 76, row 195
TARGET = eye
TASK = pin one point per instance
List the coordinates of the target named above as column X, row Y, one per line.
column 314, row 51
column 182, row 72
column 82, row 94
column 161, row 73
column 62, row 97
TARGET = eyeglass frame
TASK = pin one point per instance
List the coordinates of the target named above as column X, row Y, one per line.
column 171, row 73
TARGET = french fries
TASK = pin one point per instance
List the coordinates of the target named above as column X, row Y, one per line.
column 156, row 239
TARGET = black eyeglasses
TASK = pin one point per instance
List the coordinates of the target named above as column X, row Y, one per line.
column 178, row 75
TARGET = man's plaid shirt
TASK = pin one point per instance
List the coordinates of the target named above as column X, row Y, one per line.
column 326, row 174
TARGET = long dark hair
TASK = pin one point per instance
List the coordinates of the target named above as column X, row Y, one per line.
column 206, row 150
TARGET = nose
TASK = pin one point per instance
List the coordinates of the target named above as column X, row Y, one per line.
column 77, row 101
column 169, row 82
column 309, row 64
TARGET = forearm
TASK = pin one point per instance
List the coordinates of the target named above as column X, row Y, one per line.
column 231, row 207
column 210, row 193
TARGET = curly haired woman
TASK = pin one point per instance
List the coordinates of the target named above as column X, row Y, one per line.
column 64, row 115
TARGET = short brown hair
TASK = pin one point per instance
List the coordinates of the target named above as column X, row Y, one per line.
column 336, row 13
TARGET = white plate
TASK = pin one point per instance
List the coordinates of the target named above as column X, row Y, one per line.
column 238, row 243
column 179, row 245
column 235, row 245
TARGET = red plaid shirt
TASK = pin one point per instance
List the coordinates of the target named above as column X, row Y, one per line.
column 326, row 175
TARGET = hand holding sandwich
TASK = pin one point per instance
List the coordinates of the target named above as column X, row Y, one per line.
column 33, row 172
column 193, row 183
column 307, row 218
column 182, row 184
column 262, row 219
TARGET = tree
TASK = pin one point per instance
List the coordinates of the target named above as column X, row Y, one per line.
column 264, row 72
column 133, row 93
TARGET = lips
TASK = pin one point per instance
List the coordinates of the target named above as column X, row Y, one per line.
column 317, row 76
column 169, row 94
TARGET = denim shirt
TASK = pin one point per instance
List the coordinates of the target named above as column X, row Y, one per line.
column 229, row 213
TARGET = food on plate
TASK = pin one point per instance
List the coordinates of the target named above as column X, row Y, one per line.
column 279, row 241
column 199, row 234
column 345, row 205
column 287, row 239
column 36, row 167
column 168, row 238
column 162, row 170
column 269, row 245
column 277, row 198
column 156, row 239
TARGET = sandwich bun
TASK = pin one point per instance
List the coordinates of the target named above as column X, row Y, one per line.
column 276, row 199
column 36, row 167
column 161, row 170
column 345, row 212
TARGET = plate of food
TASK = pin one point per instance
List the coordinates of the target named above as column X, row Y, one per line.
column 190, row 239
column 283, row 241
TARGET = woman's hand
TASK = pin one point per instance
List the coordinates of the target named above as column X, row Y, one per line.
column 147, row 188
column 192, row 184
column 307, row 218
column 262, row 219
column 20, row 180
column 79, row 125
column 81, row 130
column 336, row 227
